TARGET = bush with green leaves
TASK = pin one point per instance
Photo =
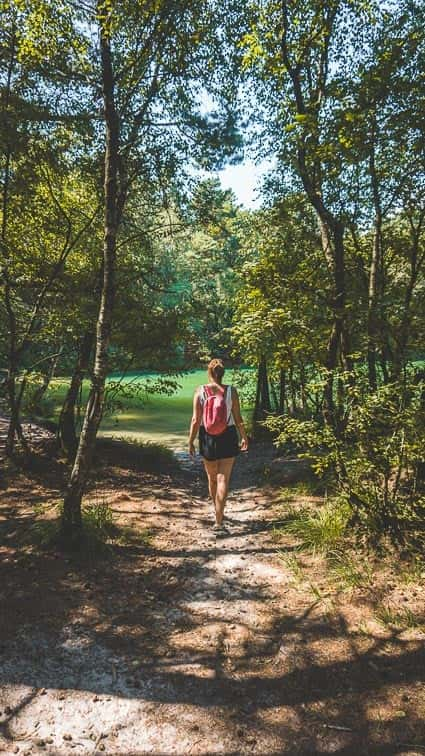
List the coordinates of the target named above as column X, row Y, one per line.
column 374, row 457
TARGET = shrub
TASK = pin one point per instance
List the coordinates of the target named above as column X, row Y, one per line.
column 375, row 457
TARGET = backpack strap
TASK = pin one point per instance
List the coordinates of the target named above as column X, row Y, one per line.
column 205, row 393
column 229, row 402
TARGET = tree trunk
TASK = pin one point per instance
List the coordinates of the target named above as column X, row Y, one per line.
column 274, row 393
column 266, row 406
column 282, row 391
column 293, row 390
column 400, row 352
column 375, row 264
column 310, row 169
column 71, row 522
column 416, row 262
column 67, row 435
column 14, row 428
column 303, row 391
column 332, row 238
column 383, row 361
column 338, row 342
column 262, row 398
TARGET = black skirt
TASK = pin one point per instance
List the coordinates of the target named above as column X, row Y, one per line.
column 219, row 447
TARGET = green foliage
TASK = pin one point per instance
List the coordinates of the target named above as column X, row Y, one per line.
column 52, row 146
column 130, row 536
column 412, row 570
column 210, row 263
column 98, row 532
column 44, row 532
column 245, row 382
column 279, row 310
column 122, row 393
column 319, row 531
column 98, row 518
column 334, row 97
column 374, row 457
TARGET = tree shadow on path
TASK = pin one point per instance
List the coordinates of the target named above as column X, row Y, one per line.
column 194, row 644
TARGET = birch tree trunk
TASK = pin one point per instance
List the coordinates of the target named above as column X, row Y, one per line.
column 67, row 435
column 71, row 522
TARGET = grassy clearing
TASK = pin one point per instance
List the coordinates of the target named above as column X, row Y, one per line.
column 159, row 418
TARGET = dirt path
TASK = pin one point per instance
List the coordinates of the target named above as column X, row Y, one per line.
column 33, row 433
column 196, row 645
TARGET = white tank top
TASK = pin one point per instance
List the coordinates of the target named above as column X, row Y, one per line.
column 229, row 400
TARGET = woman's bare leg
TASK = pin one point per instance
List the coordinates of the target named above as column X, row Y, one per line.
column 211, row 470
column 224, row 471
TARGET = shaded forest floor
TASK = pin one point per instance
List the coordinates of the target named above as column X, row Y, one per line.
column 181, row 642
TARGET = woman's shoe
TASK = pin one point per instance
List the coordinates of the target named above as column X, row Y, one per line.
column 220, row 529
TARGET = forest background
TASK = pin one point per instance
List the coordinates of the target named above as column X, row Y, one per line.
column 119, row 258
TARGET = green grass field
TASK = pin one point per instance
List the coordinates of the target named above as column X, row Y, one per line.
column 161, row 419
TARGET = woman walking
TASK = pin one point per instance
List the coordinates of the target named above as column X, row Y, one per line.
column 217, row 416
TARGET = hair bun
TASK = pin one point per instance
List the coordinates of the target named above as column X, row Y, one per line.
column 216, row 369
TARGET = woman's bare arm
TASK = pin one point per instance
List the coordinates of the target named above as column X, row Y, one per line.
column 236, row 411
column 195, row 422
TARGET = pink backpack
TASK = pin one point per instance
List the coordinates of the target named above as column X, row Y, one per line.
column 215, row 414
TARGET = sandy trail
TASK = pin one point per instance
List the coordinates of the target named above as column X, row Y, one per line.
column 187, row 697
column 198, row 645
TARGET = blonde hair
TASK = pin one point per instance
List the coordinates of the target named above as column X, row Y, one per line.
column 216, row 370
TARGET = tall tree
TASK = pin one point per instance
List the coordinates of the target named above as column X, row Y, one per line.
column 150, row 60
column 333, row 83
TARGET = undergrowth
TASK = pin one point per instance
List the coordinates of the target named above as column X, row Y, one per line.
column 100, row 531
column 329, row 560
column 348, row 571
column 151, row 454
column 302, row 489
column 319, row 531
column 404, row 619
